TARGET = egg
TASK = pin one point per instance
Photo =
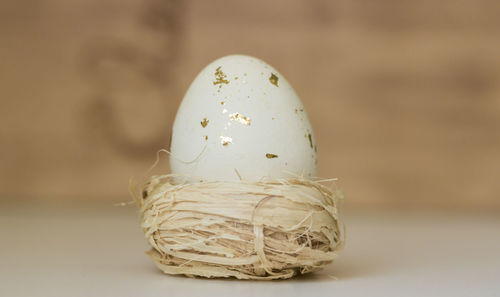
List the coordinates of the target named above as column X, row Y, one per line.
column 241, row 120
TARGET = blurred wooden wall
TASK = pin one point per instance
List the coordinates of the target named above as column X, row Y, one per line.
column 404, row 96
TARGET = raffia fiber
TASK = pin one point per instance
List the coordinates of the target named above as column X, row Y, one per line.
column 265, row 230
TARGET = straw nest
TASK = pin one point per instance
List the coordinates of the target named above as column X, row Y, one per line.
column 263, row 230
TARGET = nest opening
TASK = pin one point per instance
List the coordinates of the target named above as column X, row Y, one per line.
column 247, row 230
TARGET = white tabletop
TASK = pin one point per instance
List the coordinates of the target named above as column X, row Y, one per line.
column 84, row 252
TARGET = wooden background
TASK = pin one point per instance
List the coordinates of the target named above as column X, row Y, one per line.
column 404, row 96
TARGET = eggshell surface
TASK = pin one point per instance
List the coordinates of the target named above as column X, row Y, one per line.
column 241, row 120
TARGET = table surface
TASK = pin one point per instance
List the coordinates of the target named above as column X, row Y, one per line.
column 88, row 252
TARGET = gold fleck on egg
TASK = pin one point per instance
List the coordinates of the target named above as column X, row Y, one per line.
column 273, row 79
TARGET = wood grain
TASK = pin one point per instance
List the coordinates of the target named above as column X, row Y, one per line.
column 404, row 96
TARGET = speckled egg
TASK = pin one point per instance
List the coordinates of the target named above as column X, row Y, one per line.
column 241, row 120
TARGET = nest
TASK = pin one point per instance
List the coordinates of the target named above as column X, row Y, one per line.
column 262, row 230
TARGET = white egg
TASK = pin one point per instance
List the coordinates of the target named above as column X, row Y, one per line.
column 241, row 119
